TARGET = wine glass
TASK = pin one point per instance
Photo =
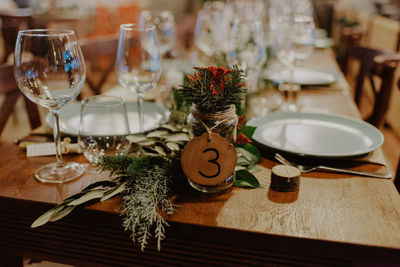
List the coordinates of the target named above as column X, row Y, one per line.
column 247, row 49
column 212, row 28
column 293, row 42
column 50, row 70
column 138, row 63
column 103, row 127
column 165, row 28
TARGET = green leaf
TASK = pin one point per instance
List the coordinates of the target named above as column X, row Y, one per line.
column 58, row 215
column 250, row 152
column 94, row 185
column 248, row 131
column 246, row 179
column 178, row 137
column 97, row 193
column 172, row 146
column 240, row 167
column 45, row 217
column 114, row 191
column 157, row 134
column 137, row 138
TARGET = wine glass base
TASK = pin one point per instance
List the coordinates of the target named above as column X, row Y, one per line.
column 51, row 173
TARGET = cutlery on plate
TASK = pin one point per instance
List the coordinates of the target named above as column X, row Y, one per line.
column 310, row 168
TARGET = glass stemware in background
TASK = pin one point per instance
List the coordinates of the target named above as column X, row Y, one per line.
column 247, row 49
column 138, row 63
column 165, row 28
column 293, row 42
column 212, row 28
column 50, row 70
column 104, row 127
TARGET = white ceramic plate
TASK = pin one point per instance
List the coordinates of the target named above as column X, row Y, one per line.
column 310, row 134
column 302, row 76
column 153, row 117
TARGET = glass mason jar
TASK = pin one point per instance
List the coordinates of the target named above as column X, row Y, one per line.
column 222, row 122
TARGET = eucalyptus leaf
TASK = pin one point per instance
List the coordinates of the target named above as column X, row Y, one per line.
column 157, row 134
column 97, row 184
column 93, row 194
column 45, row 217
column 137, row 138
column 58, row 215
column 240, row 167
column 160, row 150
column 148, row 142
column 114, row 191
column 256, row 154
column 249, row 156
column 242, row 161
column 169, row 127
column 178, row 137
column 246, row 179
column 172, row 145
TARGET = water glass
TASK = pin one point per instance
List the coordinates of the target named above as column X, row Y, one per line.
column 103, row 128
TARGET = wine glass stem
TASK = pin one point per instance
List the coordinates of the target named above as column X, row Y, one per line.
column 57, row 137
column 140, row 110
column 290, row 97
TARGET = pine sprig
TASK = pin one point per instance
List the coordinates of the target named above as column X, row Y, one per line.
column 214, row 88
column 146, row 197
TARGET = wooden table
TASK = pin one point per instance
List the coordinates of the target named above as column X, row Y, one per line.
column 334, row 219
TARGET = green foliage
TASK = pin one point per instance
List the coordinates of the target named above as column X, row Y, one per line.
column 214, row 88
column 248, row 130
column 147, row 182
column 244, row 178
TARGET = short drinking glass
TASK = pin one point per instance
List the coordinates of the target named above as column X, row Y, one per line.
column 103, row 127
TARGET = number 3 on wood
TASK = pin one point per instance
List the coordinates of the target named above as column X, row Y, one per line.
column 214, row 161
column 208, row 160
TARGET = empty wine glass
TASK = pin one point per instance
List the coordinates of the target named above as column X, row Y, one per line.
column 50, row 70
column 247, row 49
column 165, row 28
column 103, row 127
column 293, row 42
column 212, row 28
column 138, row 64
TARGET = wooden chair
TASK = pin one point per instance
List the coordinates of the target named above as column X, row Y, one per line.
column 374, row 65
column 397, row 177
column 350, row 36
column 10, row 25
column 99, row 55
column 11, row 92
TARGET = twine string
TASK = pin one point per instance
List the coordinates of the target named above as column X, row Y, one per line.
column 225, row 116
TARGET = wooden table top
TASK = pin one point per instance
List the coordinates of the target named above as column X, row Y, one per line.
column 333, row 218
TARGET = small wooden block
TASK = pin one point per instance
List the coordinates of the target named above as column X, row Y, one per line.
column 285, row 178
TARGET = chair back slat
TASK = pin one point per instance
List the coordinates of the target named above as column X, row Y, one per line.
column 374, row 64
column 11, row 92
column 95, row 52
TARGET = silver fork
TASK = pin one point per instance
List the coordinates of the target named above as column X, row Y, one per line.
column 305, row 168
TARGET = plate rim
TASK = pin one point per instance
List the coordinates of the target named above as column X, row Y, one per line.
column 311, row 115
column 333, row 74
column 165, row 115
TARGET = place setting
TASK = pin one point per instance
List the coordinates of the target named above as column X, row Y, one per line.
column 313, row 138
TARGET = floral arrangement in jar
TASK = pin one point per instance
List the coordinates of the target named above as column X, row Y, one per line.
column 214, row 93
